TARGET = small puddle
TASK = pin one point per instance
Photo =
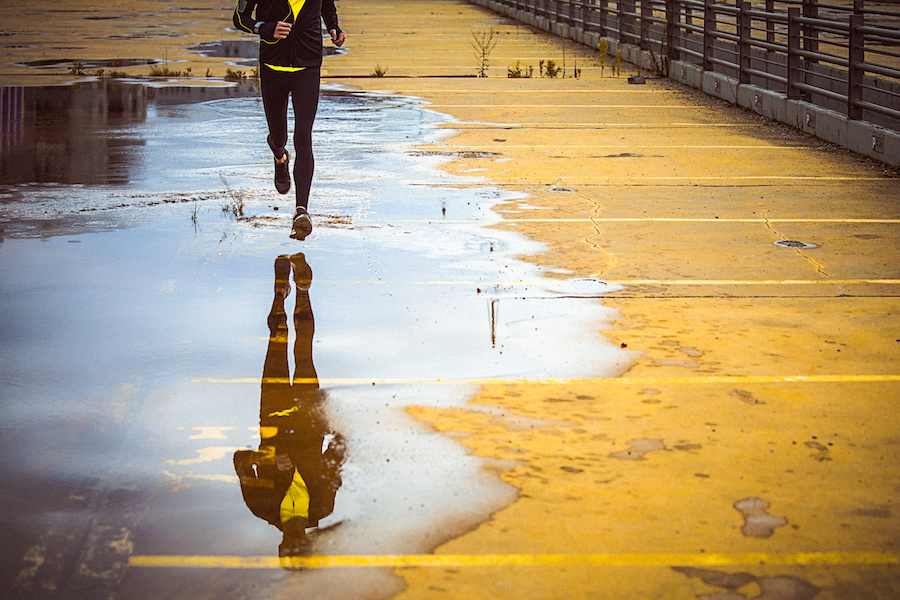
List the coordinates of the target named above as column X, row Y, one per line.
column 90, row 63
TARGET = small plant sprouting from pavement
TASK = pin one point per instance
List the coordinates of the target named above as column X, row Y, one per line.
column 379, row 71
column 517, row 72
column 660, row 64
column 234, row 204
column 195, row 213
column 603, row 47
column 483, row 43
column 234, row 75
column 77, row 68
column 607, row 61
column 164, row 71
column 549, row 68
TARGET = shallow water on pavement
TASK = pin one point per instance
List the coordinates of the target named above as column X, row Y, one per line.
column 140, row 235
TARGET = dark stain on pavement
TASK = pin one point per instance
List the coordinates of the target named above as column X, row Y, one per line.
column 638, row 448
column 771, row 588
column 757, row 522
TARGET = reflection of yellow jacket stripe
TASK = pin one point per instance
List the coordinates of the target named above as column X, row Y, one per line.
column 287, row 69
column 296, row 501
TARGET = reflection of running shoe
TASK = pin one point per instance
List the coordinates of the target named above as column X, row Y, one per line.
column 283, row 174
column 302, row 225
column 302, row 272
column 282, row 272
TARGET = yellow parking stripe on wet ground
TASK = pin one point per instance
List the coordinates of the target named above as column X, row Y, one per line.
column 601, row 381
column 635, row 282
column 525, row 560
column 633, row 220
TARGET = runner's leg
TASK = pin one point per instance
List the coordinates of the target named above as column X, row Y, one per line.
column 305, row 96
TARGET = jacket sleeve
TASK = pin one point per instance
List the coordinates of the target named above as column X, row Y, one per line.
column 242, row 17
column 329, row 15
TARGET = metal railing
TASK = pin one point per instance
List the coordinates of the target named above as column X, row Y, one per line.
column 840, row 57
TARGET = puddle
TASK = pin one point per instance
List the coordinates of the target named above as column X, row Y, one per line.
column 90, row 63
column 136, row 330
column 92, row 133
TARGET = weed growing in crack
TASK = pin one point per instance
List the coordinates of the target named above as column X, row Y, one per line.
column 234, row 203
column 483, row 44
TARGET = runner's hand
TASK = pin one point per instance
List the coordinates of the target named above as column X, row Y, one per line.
column 282, row 29
column 337, row 38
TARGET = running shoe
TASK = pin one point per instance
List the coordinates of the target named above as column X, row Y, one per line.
column 283, row 174
column 302, row 225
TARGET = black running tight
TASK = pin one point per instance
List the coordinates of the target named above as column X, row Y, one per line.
column 303, row 88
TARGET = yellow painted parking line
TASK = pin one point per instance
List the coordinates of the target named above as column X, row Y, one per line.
column 508, row 92
column 514, row 219
column 586, row 125
column 608, row 146
column 518, row 560
column 745, row 379
column 722, row 178
column 624, row 282
column 616, row 106
column 739, row 282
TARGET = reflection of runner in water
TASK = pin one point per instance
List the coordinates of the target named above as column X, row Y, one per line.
column 292, row 480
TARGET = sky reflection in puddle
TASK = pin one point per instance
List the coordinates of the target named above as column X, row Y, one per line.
column 135, row 322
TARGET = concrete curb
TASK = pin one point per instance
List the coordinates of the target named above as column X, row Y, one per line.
column 859, row 136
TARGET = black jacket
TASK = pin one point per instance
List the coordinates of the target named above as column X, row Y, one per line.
column 303, row 47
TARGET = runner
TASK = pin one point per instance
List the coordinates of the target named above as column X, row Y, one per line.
column 290, row 59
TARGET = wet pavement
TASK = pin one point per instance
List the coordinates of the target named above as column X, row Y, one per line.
column 140, row 238
column 542, row 328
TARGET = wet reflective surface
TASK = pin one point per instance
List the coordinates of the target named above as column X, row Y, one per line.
column 138, row 275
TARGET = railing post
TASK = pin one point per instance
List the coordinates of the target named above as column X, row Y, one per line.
column 855, row 73
column 646, row 16
column 709, row 28
column 795, row 61
column 601, row 26
column 770, row 24
column 626, row 23
column 810, row 33
column 672, row 23
column 744, row 33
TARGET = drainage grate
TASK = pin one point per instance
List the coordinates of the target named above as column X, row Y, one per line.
column 794, row 244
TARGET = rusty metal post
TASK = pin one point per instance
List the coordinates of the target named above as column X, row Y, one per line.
column 770, row 24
